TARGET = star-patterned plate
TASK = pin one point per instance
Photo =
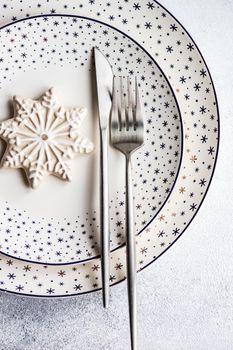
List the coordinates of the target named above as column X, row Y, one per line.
column 153, row 32
column 58, row 223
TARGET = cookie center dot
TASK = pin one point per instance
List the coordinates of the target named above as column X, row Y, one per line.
column 44, row 137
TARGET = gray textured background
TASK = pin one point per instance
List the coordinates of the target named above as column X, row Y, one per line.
column 185, row 298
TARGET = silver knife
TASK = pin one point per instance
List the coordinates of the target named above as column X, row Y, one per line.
column 104, row 81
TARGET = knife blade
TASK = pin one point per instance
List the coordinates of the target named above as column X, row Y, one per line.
column 104, row 84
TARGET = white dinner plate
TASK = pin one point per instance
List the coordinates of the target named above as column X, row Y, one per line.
column 157, row 36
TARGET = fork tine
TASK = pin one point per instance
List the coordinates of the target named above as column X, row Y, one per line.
column 131, row 121
column 138, row 112
column 123, row 105
column 115, row 104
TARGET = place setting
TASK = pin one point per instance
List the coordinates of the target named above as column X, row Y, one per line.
column 108, row 144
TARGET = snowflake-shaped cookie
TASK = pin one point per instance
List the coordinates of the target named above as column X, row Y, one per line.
column 43, row 137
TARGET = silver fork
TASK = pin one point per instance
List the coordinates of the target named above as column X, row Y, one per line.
column 127, row 135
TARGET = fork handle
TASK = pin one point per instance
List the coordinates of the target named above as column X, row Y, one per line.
column 131, row 255
column 104, row 217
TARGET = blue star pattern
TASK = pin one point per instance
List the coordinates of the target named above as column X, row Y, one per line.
column 156, row 30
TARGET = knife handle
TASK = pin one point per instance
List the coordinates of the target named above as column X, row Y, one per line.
column 104, row 217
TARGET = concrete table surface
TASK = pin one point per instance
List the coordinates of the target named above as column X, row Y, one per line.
column 185, row 298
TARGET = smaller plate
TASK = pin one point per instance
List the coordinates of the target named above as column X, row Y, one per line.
column 59, row 222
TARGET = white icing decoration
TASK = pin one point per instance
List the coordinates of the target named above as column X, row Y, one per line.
column 43, row 137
